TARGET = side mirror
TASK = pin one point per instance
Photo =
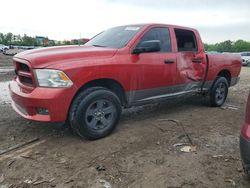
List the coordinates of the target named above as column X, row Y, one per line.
column 147, row 46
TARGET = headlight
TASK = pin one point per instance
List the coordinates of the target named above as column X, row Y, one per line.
column 52, row 78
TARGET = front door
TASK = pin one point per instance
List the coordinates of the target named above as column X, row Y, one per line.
column 157, row 70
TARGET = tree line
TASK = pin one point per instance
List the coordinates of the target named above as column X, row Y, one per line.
column 229, row 46
column 25, row 40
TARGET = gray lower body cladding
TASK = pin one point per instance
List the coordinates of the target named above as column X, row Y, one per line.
column 137, row 97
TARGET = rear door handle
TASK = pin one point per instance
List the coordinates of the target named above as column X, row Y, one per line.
column 196, row 60
column 169, row 61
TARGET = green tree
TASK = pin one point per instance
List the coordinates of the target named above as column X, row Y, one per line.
column 66, row 42
column 241, row 45
column 225, row 46
column 8, row 38
column 210, row 47
column 2, row 38
column 229, row 46
column 28, row 41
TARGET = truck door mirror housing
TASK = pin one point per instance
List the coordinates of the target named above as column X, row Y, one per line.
column 147, row 46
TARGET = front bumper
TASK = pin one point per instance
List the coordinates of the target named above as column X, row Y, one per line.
column 245, row 153
column 56, row 100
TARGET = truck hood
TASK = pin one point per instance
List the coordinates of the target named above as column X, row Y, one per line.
column 44, row 57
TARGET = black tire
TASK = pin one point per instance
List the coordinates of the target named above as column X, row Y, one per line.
column 218, row 92
column 95, row 113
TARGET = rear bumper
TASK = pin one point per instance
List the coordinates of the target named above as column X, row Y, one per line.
column 55, row 100
column 245, row 153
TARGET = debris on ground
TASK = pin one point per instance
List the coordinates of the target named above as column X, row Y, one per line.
column 229, row 106
column 105, row 183
column 26, row 156
column 18, row 146
column 231, row 181
column 100, row 168
column 160, row 128
column 160, row 161
column 217, row 156
column 208, row 146
column 183, row 128
column 62, row 161
column 2, row 178
column 179, row 144
column 38, row 181
column 69, row 181
column 189, row 149
column 10, row 163
column 28, row 181
column 239, row 169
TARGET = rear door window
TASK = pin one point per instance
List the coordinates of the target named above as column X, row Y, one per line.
column 186, row 40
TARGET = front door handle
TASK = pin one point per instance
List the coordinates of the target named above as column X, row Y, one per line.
column 169, row 61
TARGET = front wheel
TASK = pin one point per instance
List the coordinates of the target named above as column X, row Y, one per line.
column 218, row 93
column 95, row 113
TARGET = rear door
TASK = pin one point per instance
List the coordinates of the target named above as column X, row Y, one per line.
column 191, row 59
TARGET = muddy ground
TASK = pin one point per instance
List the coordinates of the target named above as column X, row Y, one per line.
column 142, row 151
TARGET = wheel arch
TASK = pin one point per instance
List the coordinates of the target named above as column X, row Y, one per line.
column 226, row 74
column 107, row 83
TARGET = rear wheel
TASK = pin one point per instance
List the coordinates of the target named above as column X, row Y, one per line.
column 95, row 113
column 218, row 93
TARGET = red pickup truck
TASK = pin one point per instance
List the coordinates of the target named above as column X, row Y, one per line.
column 88, row 85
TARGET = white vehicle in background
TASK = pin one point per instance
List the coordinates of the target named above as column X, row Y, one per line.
column 245, row 56
column 3, row 48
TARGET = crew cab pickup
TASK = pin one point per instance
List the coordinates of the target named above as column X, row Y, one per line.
column 87, row 86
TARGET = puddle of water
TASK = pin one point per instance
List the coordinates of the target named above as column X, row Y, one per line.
column 4, row 93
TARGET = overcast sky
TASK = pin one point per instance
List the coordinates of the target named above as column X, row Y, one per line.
column 217, row 20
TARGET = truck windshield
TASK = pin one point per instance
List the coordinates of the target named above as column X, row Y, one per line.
column 116, row 37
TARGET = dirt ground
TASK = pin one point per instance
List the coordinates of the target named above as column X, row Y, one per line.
column 143, row 152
